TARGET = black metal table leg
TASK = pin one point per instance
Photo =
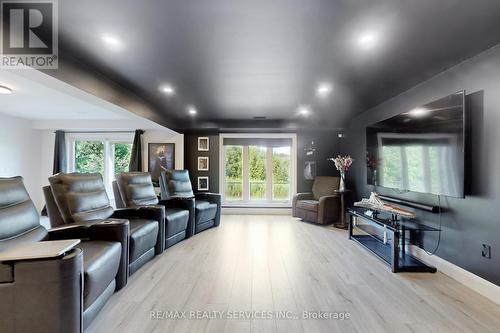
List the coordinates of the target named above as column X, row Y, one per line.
column 350, row 226
column 395, row 252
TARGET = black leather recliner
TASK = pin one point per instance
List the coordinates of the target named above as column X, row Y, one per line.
column 82, row 197
column 135, row 189
column 207, row 206
column 61, row 294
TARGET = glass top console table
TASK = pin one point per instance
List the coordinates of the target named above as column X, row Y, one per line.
column 385, row 237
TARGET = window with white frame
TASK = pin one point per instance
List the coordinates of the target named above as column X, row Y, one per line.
column 104, row 153
column 258, row 170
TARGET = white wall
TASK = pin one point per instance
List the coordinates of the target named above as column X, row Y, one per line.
column 160, row 136
column 155, row 135
column 20, row 154
column 27, row 147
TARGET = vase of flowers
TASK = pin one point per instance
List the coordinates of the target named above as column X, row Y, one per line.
column 372, row 164
column 342, row 163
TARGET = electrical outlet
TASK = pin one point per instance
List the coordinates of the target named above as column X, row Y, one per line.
column 486, row 251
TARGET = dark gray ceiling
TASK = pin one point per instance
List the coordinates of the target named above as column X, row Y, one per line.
column 236, row 60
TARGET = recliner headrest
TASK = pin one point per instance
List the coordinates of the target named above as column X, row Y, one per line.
column 176, row 183
column 18, row 214
column 80, row 197
column 136, row 189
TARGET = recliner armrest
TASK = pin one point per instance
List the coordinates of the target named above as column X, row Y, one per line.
column 300, row 196
column 178, row 202
column 187, row 203
column 117, row 230
column 327, row 203
column 70, row 231
column 209, row 196
column 150, row 212
column 215, row 198
column 43, row 292
column 303, row 196
column 6, row 273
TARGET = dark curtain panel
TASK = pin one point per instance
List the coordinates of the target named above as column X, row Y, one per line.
column 60, row 158
column 136, row 158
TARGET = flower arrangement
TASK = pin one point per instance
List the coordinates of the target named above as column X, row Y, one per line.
column 342, row 163
column 371, row 162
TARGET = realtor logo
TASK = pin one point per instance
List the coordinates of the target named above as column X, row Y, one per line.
column 29, row 34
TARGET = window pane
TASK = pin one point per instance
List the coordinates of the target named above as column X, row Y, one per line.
column 257, row 169
column 415, row 162
column 391, row 167
column 89, row 156
column 234, row 173
column 436, row 155
column 281, row 173
column 123, row 152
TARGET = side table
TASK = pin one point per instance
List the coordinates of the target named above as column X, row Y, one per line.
column 342, row 224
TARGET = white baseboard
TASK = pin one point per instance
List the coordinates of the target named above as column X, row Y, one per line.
column 256, row 211
column 474, row 282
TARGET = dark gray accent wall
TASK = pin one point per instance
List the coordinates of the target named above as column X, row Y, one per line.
column 470, row 222
column 191, row 154
column 327, row 144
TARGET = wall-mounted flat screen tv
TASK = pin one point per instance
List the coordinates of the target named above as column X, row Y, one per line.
column 420, row 150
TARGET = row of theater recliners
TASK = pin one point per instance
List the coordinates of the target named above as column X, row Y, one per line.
column 65, row 294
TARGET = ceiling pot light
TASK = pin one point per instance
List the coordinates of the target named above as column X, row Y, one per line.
column 368, row 40
column 111, row 41
column 324, row 89
column 4, row 90
column 304, row 110
column 191, row 110
column 167, row 89
column 418, row 112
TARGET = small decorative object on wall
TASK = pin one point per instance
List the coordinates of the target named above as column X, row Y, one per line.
column 203, row 163
column 202, row 183
column 161, row 156
column 310, row 151
column 203, row 143
column 342, row 163
column 310, row 170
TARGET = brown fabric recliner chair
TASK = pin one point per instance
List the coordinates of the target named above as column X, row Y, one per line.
column 322, row 205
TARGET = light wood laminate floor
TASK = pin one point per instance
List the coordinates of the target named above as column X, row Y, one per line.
column 276, row 263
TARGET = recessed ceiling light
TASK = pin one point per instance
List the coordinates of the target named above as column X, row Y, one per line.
column 324, row 89
column 111, row 41
column 4, row 90
column 304, row 110
column 418, row 112
column 191, row 109
column 167, row 89
column 368, row 40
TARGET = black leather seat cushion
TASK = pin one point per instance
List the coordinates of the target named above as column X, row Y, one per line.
column 205, row 211
column 143, row 235
column 177, row 220
column 100, row 264
column 311, row 205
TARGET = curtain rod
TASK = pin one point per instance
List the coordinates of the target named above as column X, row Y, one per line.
column 85, row 132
